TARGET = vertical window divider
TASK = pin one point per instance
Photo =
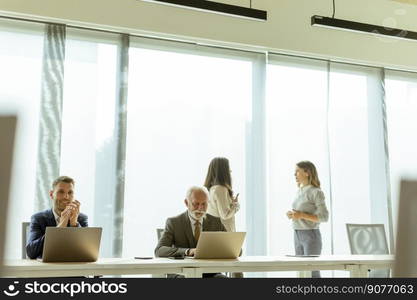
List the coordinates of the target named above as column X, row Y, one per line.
column 256, row 212
column 378, row 152
column 330, row 197
column 121, row 131
column 387, row 162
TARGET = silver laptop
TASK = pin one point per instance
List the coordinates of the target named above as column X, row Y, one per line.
column 71, row 244
column 219, row 244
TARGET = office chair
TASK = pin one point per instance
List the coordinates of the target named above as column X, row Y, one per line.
column 159, row 232
column 368, row 239
column 25, row 232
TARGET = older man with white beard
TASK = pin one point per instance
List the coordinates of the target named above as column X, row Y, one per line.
column 181, row 233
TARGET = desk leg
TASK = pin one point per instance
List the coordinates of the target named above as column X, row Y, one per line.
column 304, row 274
column 358, row 271
column 198, row 273
column 363, row 271
column 192, row 273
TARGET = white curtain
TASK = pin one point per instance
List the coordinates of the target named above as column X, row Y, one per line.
column 21, row 55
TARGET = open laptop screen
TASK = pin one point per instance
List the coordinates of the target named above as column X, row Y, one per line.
column 71, row 244
column 219, row 244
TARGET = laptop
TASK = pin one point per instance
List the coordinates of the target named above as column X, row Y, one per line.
column 219, row 244
column 71, row 244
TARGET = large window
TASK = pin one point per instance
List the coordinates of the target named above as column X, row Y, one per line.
column 349, row 151
column 187, row 104
column 184, row 108
column 401, row 99
column 332, row 116
column 88, row 122
column 21, row 53
column 296, row 131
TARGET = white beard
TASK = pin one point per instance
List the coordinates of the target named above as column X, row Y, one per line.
column 200, row 217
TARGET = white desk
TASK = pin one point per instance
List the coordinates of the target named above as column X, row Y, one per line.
column 103, row 266
column 357, row 265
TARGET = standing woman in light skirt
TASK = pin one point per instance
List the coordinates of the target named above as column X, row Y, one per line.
column 308, row 211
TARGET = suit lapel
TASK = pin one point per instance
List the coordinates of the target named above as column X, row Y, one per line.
column 52, row 221
column 206, row 223
column 188, row 230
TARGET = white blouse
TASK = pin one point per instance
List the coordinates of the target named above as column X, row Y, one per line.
column 221, row 205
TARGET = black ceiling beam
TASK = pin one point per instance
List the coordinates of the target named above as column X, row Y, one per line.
column 222, row 8
column 362, row 28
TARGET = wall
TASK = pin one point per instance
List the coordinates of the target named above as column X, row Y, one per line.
column 287, row 29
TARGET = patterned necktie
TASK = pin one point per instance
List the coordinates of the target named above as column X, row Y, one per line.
column 197, row 230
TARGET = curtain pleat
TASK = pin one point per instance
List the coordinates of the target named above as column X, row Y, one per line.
column 50, row 118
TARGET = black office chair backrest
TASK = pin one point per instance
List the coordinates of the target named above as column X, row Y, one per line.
column 25, row 232
column 159, row 232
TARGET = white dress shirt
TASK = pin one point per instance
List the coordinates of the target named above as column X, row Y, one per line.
column 193, row 221
column 57, row 218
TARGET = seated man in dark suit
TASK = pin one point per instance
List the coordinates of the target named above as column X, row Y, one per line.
column 181, row 233
column 64, row 213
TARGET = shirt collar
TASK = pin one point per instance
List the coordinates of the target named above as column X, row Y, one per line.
column 55, row 215
column 305, row 186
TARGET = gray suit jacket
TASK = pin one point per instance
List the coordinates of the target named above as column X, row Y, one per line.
column 178, row 234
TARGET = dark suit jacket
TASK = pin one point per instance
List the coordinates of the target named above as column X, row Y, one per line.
column 38, row 224
column 178, row 235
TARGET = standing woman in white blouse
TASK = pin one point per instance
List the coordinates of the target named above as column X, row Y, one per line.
column 309, row 210
column 222, row 203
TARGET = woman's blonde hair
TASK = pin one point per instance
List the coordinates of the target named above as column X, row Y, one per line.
column 310, row 169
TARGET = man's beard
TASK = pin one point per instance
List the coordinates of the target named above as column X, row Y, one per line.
column 59, row 206
column 202, row 216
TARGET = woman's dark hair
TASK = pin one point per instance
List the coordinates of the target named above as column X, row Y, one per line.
column 219, row 174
